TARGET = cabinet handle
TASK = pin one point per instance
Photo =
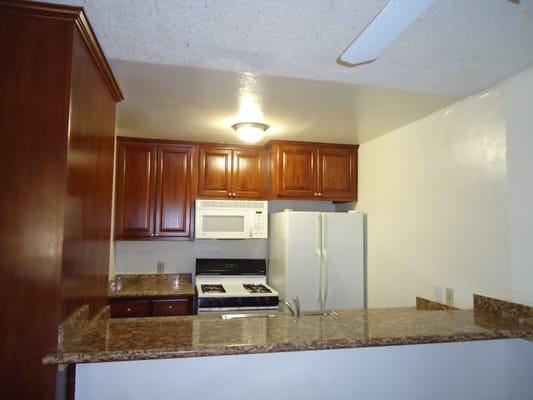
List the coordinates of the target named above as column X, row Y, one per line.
column 170, row 307
column 129, row 309
column 319, row 194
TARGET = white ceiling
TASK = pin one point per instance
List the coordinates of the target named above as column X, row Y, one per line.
column 280, row 57
column 457, row 48
column 165, row 101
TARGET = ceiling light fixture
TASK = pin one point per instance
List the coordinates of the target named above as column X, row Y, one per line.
column 250, row 132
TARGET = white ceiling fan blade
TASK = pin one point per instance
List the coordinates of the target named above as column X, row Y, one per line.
column 384, row 30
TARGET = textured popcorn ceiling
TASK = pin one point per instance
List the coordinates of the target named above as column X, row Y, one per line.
column 457, row 48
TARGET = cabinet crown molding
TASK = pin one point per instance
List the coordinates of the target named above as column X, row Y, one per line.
column 78, row 17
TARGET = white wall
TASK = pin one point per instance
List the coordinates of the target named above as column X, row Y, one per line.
column 487, row 370
column 443, row 210
column 518, row 107
column 179, row 256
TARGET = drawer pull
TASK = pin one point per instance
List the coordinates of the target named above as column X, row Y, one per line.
column 129, row 309
column 170, row 307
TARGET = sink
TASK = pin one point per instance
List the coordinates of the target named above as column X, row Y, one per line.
column 240, row 316
column 330, row 313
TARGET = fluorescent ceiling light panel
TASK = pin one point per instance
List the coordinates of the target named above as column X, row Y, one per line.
column 384, row 30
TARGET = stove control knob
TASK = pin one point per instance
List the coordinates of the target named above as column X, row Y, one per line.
column 238, row 301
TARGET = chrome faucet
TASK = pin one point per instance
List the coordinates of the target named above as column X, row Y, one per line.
column 289, row 307
column 297, row 306
column 295, row 311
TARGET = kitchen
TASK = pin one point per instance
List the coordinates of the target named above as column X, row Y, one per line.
column 135, row 150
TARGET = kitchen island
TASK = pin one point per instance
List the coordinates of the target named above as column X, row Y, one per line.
column 180, row 344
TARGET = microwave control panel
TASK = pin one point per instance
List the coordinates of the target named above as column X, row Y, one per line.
column 259, row 224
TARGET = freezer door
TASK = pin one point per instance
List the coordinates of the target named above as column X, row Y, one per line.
column 303, row 263
column 343, row 259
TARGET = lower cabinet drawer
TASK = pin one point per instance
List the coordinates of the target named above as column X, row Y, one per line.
column 130, row 308
column 171, row 307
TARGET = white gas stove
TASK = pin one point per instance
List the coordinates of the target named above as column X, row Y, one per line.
column 226, row 286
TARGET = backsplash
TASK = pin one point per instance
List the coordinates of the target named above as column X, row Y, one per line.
column 141, row 257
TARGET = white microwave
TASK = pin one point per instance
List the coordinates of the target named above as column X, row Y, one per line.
column 231, row 219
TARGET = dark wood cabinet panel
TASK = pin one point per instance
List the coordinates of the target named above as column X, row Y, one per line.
column 173, row 191
column 127, row 307
column 247, row 173
column 154, row 191
column 168, row 307
column 57, row 113
column 214, row 171
column 314, row 171
column 337, row 173
column 135, row 189
column 130, row 308
column 296, row 172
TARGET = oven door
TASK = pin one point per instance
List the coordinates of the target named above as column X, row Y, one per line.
column 223, row 224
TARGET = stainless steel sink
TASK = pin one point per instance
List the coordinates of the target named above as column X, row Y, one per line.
column 329, row 313
column 240, row 316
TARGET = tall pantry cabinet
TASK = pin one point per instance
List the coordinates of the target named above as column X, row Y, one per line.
column 57, row 127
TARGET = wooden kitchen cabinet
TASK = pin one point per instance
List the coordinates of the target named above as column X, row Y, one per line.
column 135, row 190
column 230, row 172
column 337, row 173
column 315, row 171
column 173, row 192
column 128, row 307
column 154, row 191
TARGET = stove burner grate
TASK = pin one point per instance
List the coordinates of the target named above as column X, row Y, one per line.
column 256, row 288
column 213, row 288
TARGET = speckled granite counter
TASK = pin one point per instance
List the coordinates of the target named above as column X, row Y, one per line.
column 195, row 336
column 151, row 285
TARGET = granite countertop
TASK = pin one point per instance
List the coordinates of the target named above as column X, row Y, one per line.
column 151, row 285
column 195, row 336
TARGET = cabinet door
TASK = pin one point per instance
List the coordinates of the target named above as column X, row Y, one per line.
column 337, row 173
column 247, row 173
column 214, row 172
column 297, row 171
column 173, row 191
column 135, row 190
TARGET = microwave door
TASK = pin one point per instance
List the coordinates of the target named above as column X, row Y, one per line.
column 224, row 225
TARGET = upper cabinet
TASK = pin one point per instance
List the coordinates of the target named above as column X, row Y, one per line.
column 157, row 181
column 230, row 172
column 135, row 183
column 154, row 190
column 312, row 171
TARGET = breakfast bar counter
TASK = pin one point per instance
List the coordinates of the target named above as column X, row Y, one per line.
column 109, row 339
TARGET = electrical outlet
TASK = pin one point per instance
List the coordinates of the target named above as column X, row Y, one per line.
column 160, row 267
column 449, row 297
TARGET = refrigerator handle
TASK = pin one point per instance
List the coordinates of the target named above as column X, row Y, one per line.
column 319, row 256
column 325, row 266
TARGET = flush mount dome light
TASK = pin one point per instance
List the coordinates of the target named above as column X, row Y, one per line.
column 250, row 132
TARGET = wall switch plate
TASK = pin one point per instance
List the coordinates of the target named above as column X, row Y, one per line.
column 449, row 297
column 160, row 267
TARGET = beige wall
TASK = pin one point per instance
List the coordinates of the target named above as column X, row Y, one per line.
column 441, row 203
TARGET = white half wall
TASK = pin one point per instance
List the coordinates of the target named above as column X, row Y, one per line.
column 484, row 370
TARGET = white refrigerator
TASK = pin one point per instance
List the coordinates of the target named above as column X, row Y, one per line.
column 318, row 257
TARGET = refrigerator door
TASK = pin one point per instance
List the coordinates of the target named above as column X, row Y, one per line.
column 343, row 284
column 303, row 261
